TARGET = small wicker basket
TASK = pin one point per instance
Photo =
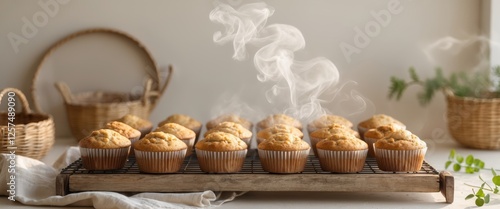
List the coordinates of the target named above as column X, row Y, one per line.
column 34, row 133
column 89, row 111
column 474, row 122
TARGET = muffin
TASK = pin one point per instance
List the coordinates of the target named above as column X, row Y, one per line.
column 323, row 133
column 278, row 119
column 376, row 121
column 264, row 134
column 160, row 152
column 229, row 118
column 234, row 129
column 283, row 153
column 184, row 134
column 342, row 153
column 185, row 121
column 327, row 120
column 104, row 149
column 374, row 134
column 400, row 151
column 125, row 130
column 221, row 152
column 144, row 126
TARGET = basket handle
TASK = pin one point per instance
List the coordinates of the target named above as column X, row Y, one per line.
column 65, row 91
column 154, row 96
column 152, row 72
column 24, row 102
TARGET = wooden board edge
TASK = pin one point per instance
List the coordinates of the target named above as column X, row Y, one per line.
column 447, row 185
column 62, row 184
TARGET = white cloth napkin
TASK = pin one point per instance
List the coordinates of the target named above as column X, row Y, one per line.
column 35, row 185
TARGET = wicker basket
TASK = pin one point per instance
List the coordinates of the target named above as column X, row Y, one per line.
column 34, row 133
column 474, row 122
column 89, row 111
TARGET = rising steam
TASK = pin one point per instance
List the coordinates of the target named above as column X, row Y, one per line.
column 302, row 82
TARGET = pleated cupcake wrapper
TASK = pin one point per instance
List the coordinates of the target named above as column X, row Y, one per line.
column 342, row 161
column 371, row 143
column 400, row 160
column 314, row 141
column 283, row 161
column 221, row 162
column 132, row 141
column 104, row 159
column 160, row 162
column 190, row 144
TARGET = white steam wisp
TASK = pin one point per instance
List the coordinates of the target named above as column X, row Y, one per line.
column 302, row 82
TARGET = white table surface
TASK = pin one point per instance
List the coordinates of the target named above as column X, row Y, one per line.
column 436, row 156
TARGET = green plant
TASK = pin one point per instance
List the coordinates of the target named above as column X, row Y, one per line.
column 470, row 163
column 473, row 165
column 462, row 84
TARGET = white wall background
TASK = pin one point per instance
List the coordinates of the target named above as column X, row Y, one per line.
column 180, row 33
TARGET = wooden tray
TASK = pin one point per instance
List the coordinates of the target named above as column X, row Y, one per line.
column 190, row 178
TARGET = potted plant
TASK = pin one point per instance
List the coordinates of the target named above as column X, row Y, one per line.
column 473, row 104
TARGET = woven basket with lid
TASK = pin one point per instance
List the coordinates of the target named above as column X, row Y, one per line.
column 88, row 111
column 33, row 134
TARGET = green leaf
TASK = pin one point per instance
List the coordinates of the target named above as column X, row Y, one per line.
column 452, row 154
column 447, row 164
column 413, row 75
column 496, row 180
column 459, row 158
column 397, row 88
column 479, row 202
column 493, row 172
column 480, row 193
column 477, row 161
column 470, row 196
column 469, row 160
column 456, row 167
column 469, row 169
column 487, row 199
column 496, row 190
column 481, row 165
column 476, row 169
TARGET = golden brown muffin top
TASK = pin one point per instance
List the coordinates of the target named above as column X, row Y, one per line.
column 123, row 129
column 160, row 142
column 229, row 118
column 279, row 119
column 182, row 120
column 400, row 140
column 327, row 120
column 220, row 142
column 177, row 130
column 324, row 133
column 136, row 122
column 105, row 139
column 232, row 128
column 339, row 142
column 279, row 128
column 284, row 142
column 380, row 120
column 380, row 132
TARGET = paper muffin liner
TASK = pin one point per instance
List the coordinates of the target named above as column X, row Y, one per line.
column 314, row 141
column 190, row 144
column 160, row 162
column 371, row 143
column 342, row 161
column 104, row 159
column 221, row 162
column 400, row 160
column 283, row 161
